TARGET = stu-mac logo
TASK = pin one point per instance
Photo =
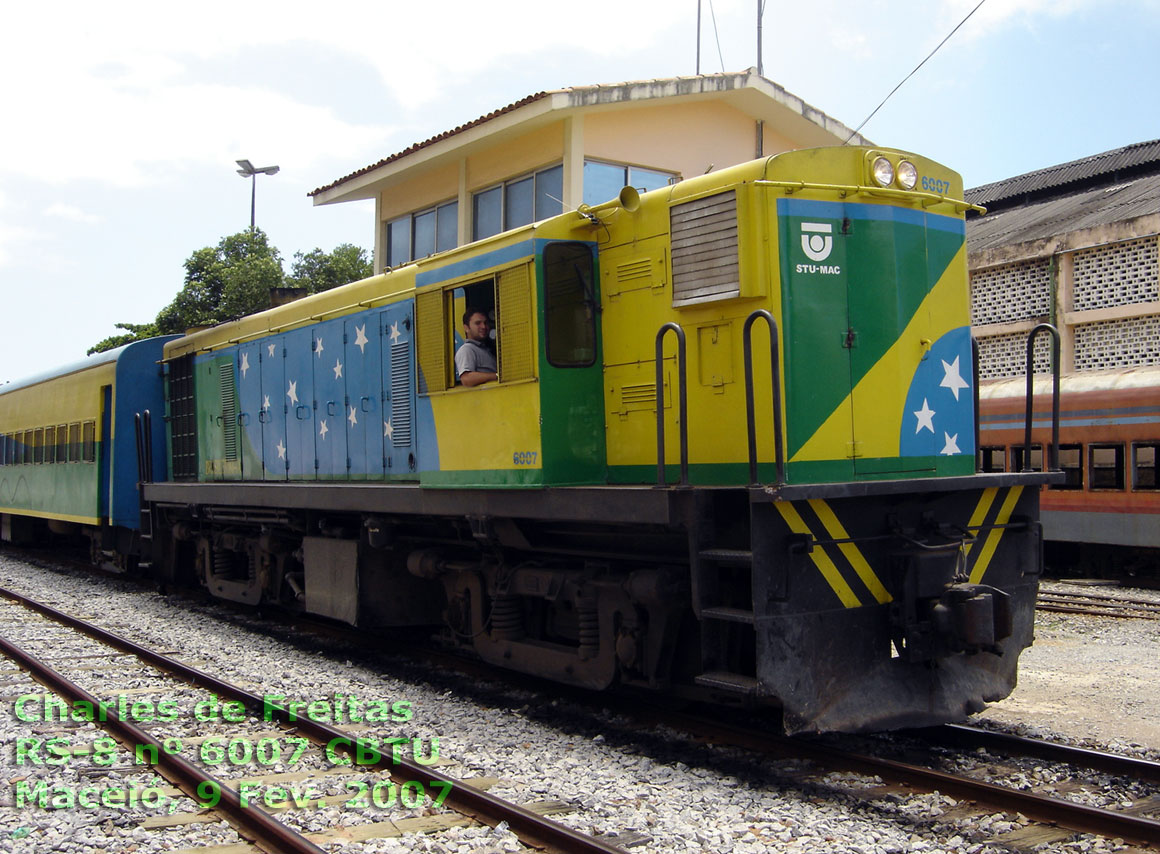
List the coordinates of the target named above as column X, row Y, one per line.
column 818, row 243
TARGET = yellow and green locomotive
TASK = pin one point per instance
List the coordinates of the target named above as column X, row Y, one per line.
column 729, row 451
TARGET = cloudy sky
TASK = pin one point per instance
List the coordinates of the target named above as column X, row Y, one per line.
column 122, row 120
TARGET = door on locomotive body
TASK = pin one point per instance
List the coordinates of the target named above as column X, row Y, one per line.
column 274, row 408
column 364, row 389
column 571, row 364
column 877, row 380
column 298, row 394
column 250, row 411
column 399, row 435
column 331, row 414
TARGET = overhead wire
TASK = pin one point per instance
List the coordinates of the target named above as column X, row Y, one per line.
column 911, row 74
column 717, row 36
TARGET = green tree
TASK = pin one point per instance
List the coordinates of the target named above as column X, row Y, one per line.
column 320, row 271
column 133, row 332
column 224, row 282
column 234, row 278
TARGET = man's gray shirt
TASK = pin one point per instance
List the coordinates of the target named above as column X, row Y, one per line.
column 474, row 357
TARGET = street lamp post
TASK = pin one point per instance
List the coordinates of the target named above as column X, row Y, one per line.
column 249, row 171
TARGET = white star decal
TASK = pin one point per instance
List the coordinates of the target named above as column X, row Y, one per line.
column 281, row 450
column 323, row 430
column 952, row 379
column 352, row 418
column 337, row 369
column 925, row 417
column 293, row 392
column 360, row 339
column 318, row 348
column 394, row 333
column 245, row 363
column 388, row 430
column 265, row 403
column 270, row 350
column 952, row 445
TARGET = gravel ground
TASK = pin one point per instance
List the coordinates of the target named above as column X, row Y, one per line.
column 1076, row 683
column 1092, row 680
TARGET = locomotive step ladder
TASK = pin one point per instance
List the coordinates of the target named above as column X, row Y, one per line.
column 726, row 594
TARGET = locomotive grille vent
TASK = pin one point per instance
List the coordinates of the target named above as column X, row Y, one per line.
column 1011, row 293
column 1120, row 343
column 704, row 238
column 401, row 395
column 1119, row 274
column 229, row 397
column 632, row 272
column 183, row 418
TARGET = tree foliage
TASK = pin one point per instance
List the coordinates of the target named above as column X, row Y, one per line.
column 320, row 271
column 234, row 278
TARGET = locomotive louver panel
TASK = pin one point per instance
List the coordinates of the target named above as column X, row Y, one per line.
column 430, row 328
column 182, row 418
column 704, row 247
column 229, row 398
column 516, row 360
column 401, row 394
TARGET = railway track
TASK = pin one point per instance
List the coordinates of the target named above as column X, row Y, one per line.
column 151, row 711
column 1069, row 600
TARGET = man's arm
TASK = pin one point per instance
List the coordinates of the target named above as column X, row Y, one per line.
column 474, row 378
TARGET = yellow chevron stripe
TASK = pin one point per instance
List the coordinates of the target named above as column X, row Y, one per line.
column 853, row 554
column 818, row 556
column 981, row 511
column 995, row 535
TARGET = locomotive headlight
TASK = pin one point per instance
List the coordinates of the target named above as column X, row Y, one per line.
column 883, row 171
column 907, row 175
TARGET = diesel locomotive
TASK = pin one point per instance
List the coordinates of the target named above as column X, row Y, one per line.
column 730, row 452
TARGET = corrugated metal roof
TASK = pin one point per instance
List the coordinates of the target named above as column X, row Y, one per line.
column 1135, row 157
column 1063, row 214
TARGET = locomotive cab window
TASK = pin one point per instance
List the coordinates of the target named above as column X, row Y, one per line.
column 1106, row 466
column 1144, row 468
column 569, row 305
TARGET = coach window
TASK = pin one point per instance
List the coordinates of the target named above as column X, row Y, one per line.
column 1106, row 467
column 62, row 443
column 29, row 443
column 569, row 305
column 38, row 445
column 993, row 459
column 1071, row 462
column 1019, row 461
column 89, row 433
column 1144, row 469
column 50, row 444
column 74, row 443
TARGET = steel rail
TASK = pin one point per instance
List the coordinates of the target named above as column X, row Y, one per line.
column 532, row 829
column 962, row 735
column 266, row 832
column 1078, row 817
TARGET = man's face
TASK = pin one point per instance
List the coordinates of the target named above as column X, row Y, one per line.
column 478, row 328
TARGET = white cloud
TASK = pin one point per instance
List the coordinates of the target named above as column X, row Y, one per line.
column 71, row 213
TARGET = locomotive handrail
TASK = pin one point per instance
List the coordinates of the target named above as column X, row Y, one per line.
column 928, row 199
column 683, row 404
column 750, row 418
column 1053, row 457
